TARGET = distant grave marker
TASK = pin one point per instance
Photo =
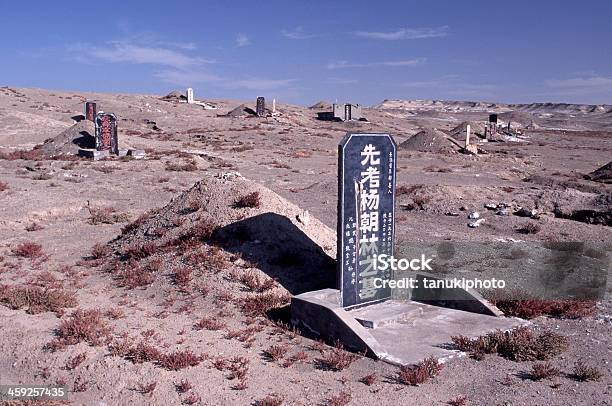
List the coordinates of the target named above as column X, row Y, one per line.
column 91, row 111
column 366, row 214
column 190, row 95
column 106, row 133
column 261, row 107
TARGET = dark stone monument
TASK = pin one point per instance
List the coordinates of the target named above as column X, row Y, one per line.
column 366, row 214
column 106, row 133
column 90, row 111
column 492, row 118
column 261, row 107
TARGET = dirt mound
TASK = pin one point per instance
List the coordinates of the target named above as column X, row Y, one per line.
column 276, row 235
column 241, row 111
column 476, row 127
column 428, row 140
column 603, row 174
column 174, row 96
column 321, row 105
column 80, row 135
column 533, row 126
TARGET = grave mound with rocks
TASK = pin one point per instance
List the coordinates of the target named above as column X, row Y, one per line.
column 476, row 128
column 603, row 174
column 244, row 219
column 241, row 111
column 321, row 105
column 429, row 140
column 69, row 141
column 175, row 96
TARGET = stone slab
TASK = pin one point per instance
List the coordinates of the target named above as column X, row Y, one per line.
column 93, row 154
column 405, row 332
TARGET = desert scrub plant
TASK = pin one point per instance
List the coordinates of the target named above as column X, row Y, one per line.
column 251, row 280
column 208, row 323
column 132, row 277
column 36, row 299
column 520, row 344
column 75, row 361
column 3, row 186
column 275, row 352
column 137, row 354
column 272, row 399
column 541, row 371
column 146, row 389
column 336, row 359
column 583, row 372
column 460, row 400
column 141, row 251
column 419, row 373
column 82, row 326
column 182, row 276
column 341, row 399
column 178, row 360
column 192, row 399
column 30, row 250
column 105, row 215
column 188, row 165
column 261, row 303
column 99, row 251
column 527, row 308
column 369, row 379
column 251, row 200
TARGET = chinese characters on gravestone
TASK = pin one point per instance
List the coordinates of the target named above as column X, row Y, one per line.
column 106, row 133
column 492, row 123
column 260, row 109
column 90, row 111
column 366, row 213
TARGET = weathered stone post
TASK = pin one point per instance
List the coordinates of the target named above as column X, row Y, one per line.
column 90, row 111
column 260, row 108
column 189, row 95
column 467, row 136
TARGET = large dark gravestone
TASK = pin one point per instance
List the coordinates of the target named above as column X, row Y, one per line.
column 366, row 214
column 492, row 118
column 90, row 111
column 106, row 133
column 261, row 107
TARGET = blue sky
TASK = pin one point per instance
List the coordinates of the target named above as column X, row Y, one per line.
column 305, row 51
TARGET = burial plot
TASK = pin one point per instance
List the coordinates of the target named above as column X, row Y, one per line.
column 90, row 111
column 261, row 107
column 366, row 213
column 106, row 133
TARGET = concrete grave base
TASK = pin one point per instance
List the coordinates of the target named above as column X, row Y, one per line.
column 400, row 332
column 136, row 153
column 93, row 153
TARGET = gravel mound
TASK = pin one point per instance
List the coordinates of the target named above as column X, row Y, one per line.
column 241, row 111
column 68, row 142
column 174, row 96
column 603, row 174
column 428, row 140
column 276, row 235
column 476, row 128
column 321, row 105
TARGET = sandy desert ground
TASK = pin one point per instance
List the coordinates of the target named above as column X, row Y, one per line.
column 152, row 281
